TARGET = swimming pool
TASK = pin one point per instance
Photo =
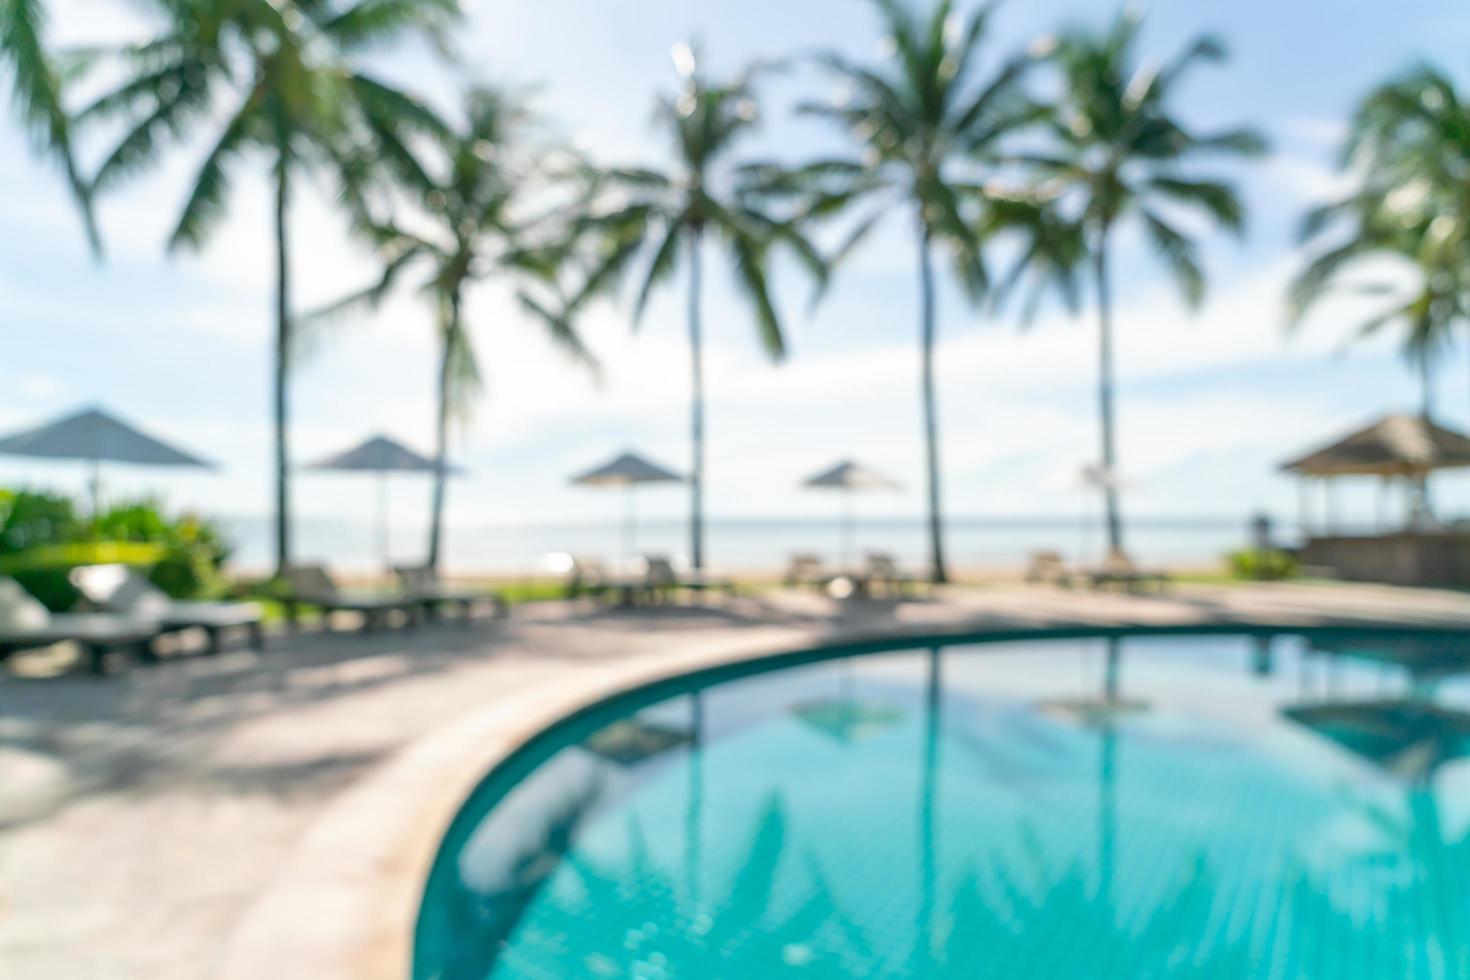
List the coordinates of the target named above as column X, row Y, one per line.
column 1181, row 805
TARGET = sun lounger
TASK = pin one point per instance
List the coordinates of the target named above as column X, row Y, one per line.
column 25, row 624
column 664, row 580
column 586, row 576
column 1120, row 571
column 1048, row 568
column 311, row 585
column 120, row 589
column 882, row 574
column 423, row 585
column 809, row 570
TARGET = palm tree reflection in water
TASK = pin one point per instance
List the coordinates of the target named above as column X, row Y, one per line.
column 782, row 895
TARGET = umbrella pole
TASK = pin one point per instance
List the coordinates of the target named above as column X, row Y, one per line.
column 846, row 556
column 96, row 488
column 383, row 549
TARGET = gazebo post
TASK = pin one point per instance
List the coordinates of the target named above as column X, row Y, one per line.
column 1329, row 496
column 1303, row 506
column 630, row 522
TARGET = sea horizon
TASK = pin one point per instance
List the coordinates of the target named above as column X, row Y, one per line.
column 747, row 543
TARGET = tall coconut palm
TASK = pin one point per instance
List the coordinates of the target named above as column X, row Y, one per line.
column 490, row 206
column 932, row 129
column 284, row 74
column 36, row 89
column 1402, row 234
column 669, row 216
column 1123, row 154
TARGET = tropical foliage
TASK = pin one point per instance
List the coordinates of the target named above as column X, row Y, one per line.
column 932, row 123
column 662, row 218
column 290, row 86
column 1401, row 237
column 42, row 537
column 1122, row 154
column 491, row 203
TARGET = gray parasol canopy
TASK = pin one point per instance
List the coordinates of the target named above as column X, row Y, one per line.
column 381, row 455
column 97, row 437
column 846, row 477
column 627, row 470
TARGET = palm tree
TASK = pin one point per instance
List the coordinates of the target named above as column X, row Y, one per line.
column 285, row 69
column 1406, row 223
column 1122, row 153
column 931, row 131
column 36, row 87
column 668, row 215
column 489, row 220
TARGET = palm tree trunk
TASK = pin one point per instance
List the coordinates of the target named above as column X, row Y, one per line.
column 696, row 408
column 282, row 355
column 938, row 572
column 1105, row 396
column 441, row 436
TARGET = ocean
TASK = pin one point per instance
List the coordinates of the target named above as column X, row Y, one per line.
column 745, row 544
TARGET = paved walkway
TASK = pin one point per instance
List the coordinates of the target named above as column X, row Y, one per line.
column 142, row 816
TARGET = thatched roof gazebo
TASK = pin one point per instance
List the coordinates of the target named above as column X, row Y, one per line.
column 1406, row 447
column 1396, row 445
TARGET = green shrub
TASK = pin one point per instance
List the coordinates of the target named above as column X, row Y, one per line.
column 1249, row 563
column 42, row 539
column 29, row 519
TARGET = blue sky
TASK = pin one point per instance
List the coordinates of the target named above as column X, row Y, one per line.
column 1209, row 402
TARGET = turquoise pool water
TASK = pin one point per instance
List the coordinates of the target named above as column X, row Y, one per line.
column 1218, row 806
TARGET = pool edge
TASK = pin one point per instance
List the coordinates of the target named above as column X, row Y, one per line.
column 358, row 873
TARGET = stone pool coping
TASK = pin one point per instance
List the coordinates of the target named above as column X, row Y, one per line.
column 345, row 905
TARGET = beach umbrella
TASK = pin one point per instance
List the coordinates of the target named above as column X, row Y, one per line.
column 1086, row 479
column 627, row 471
column 847, row 477
column 97, row 437
column 383, row 456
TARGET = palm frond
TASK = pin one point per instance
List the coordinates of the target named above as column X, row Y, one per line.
column 1313, row 282
column 371, row 23
column 750, row 274
column 1216, row 198
column 206, row 201
column 36, row 87
column 659, row 269
column 176, row 99
column 561, row 330
column 1178, row 253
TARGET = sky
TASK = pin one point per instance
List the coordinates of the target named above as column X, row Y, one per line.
column 1209, row 402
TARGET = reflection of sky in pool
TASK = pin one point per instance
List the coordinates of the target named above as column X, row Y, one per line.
column 1208, row 807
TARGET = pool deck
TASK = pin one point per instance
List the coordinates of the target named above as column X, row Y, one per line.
column 273, row 815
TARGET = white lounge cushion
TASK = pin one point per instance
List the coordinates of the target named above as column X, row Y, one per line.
column 20, row 612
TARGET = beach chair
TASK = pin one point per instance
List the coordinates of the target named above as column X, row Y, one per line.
column 311, row 585
column 807, row 569
column 663, row 580
column 25, row 624
column 422, row 584
column 121, row 589
column 882, row 573
column 1118, row 570
column 1048, row 568
column 586, row 576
